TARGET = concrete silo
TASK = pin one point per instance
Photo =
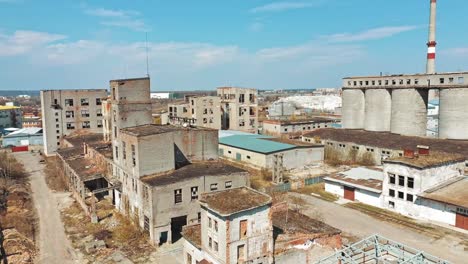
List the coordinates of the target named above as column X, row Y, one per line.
column 409, row 112
column 353, row 110
column 453, row 113
column 378, row 110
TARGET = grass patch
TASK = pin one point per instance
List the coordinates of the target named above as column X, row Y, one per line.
column 54, row 174
column 319, row 191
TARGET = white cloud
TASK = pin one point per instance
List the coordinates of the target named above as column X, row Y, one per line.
column 281, row 6
column 23, row 41
column 128, row 19
column 371, row 34
column 102, row 12
column 256, row 26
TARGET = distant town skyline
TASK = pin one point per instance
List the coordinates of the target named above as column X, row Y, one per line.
column 200, row 45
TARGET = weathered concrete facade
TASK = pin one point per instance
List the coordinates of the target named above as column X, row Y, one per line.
column 200, row 111
column 239, row 108
column 295, row 128
column 66, row 111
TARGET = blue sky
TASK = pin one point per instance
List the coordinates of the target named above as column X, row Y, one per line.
column 203, row 44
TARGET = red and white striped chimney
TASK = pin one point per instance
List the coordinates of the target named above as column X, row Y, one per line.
column 431, row 44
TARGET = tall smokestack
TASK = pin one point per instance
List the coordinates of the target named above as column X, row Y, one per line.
column 431, row 44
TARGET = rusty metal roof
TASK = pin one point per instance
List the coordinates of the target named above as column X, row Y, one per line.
column 434, row 159
column 232, row 201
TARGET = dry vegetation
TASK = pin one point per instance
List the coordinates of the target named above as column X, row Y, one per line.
column 54, row 175
column 319, row 191
column 335, row 158
column 259, row 179
column 117, row 231
column 18, row 220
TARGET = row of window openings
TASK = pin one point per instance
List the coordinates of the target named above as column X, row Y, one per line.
column 251, row 122
column 460, row 80
column 401, row 195
column 124, row 152
column 230, row 152
column 243, row 110
column 84, row 113
column 241, row 97
column 304, row 128
column 194, row 191
column 401, row 180
column 84, row 124
column 83, row 102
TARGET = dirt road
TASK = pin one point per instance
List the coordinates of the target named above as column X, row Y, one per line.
column 54, row 246
column 361, row 225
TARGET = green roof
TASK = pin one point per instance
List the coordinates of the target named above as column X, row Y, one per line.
column 255, row 143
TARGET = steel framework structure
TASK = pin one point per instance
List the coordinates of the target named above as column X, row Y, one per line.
column 378, row 249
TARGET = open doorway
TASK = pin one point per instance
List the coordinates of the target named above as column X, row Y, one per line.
column 177, row 223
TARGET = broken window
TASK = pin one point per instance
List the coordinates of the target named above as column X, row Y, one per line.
column 242, row 229
column 124, row 147
column 391, row 178
column 214, row 187
column 240, row 254
column 84, row 101
column 228, row 184
column 178, row 196
column 409, row 197
column 215, row 246
column 251, row 98
column 68, row 102
column 401, row 195
column 69, row 114
column 391, row 193
column 133, row 156
column 410, row 182
column 70, row 125
column 146, row 223
column 451, row 80
column 189, row 258
column 241, row 98
column 401, row 180
column 85, row 113
column 98, row 101
column 442, row 80
column 86, row 124
column 99, row 123
column 391, row 204
column 99, row 112
column 210, row 242
column 194, row 193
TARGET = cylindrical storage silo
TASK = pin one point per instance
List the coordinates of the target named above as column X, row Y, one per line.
column 378, row 110
column 353, row 109
column 409, row 112
column 453, row 113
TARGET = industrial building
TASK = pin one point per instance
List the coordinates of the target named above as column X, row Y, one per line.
column 266, row 152
column 66, row 111
column 377, row 146
column 10, row 116
column 23, row 137
column 398, row 103
column 200, row 111
column 357, row 184
column 239, row 108
column 242, row 226
column 294, row 129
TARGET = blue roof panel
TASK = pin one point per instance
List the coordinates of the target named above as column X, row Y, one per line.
column 255, row 143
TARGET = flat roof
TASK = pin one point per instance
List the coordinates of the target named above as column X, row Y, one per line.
column 454, row 191
column 262, row 144
column 130, row 79
column 153, row 129
column 193, row 235
column 104, row 148
column 435, row 158
column 386, row 140
column 300, row 223
column 194, row 170
column 7, row 107
column 360, row 177
column 403, row 75
column 77, row 139
column 301, row 122
column 232, row 201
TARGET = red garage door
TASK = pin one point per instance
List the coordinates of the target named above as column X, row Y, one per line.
column 461, row 221
column 349, row 193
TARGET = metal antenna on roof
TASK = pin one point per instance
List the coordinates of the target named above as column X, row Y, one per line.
column 147, row 60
